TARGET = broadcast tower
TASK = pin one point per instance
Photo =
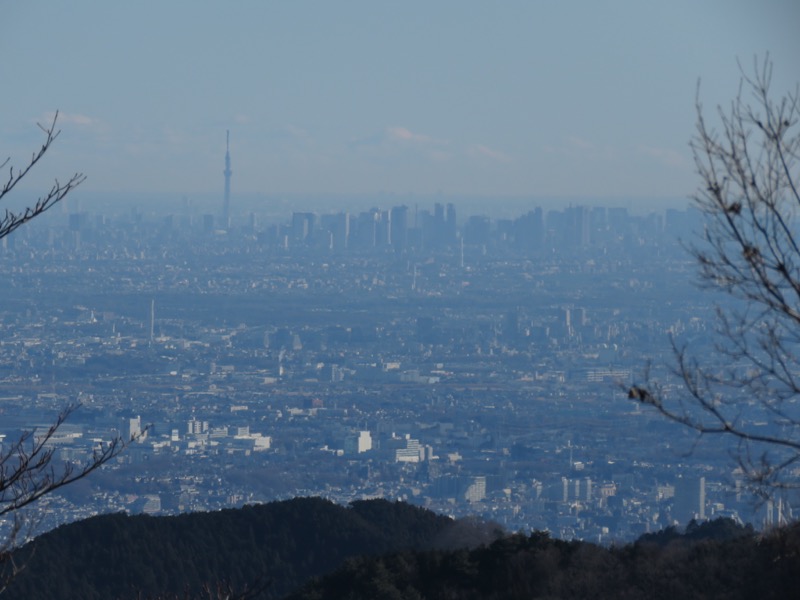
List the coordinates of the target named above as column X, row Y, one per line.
column 226, row 208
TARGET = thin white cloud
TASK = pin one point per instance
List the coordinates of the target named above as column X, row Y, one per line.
column 438, row 155
column 578, row 147
column 68, row 119
column 397, row 138
column 174, row 137
column 397, row 135
column 297, row 132
column 78, row 126
column 665, row 156
column 481, row 151
column 401, row 134
column 288, row 133
column 579, row 143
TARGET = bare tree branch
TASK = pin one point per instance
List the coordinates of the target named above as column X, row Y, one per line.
column 12, row 220
column 749, row 170
column 28, row 466
column 27, row 470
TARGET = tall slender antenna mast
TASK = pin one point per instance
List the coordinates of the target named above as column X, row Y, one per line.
column 152, row 319
column 226, row 208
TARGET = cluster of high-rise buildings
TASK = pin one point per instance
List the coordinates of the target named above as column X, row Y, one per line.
column 475, row 373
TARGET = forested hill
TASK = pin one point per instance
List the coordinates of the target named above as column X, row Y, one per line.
column 716, row 560
column 313, row 549
column 287, row 543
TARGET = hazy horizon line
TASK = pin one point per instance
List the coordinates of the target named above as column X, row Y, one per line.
column 280, row 205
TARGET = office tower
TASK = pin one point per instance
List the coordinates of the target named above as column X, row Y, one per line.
column 476, row 489
column 476, row 230
column 571, row 227
column 134, row 428
column 338, row 228
column 358, row 444
column 450, row 224
column 438, row 233
column 690, row 499
column 302, row 226
column 398, row 228
column 529, row 231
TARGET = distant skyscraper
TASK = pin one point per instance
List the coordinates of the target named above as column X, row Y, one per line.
column 134, row 428
column 357, row 444
column 226, row 208
column 690, row 499
column 450, row 220
column 302, row 226
column 398, row 228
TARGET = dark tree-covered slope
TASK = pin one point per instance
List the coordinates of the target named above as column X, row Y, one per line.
column 119, row 556
column 714, row 560
column 381, row 550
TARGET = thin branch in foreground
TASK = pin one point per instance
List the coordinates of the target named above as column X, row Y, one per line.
column 13, row 220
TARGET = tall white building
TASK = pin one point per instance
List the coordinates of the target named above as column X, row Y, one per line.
column 135, row 428
column 410, row 450
column 356, row 444
column 476, row 489
column 194, row 426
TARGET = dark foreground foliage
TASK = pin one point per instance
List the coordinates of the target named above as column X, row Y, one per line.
column 282, row 543
column 386, row 550
column 714, row 560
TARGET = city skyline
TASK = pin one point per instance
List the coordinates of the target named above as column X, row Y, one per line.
column 365, row 355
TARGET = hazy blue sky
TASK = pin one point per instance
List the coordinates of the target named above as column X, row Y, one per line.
column 533, row 98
